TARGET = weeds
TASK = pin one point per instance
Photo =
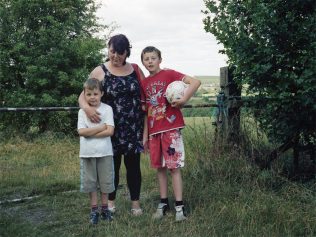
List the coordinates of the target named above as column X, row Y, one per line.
column 225, row 194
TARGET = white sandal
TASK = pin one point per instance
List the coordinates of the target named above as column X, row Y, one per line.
column 111, row 207
column 136, row 211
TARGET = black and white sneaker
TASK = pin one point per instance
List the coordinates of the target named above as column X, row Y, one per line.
column 161, row 211
column 94, row 217
column 180, row 215
column 106, row 215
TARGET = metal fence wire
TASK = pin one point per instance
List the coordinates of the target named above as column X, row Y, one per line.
column 64, row 119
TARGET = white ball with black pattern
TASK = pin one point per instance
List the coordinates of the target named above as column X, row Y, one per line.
column 175, row 90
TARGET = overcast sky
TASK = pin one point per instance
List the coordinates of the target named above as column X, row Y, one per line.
column 173, row 26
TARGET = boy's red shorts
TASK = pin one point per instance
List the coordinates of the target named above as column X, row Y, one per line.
column 166, row 150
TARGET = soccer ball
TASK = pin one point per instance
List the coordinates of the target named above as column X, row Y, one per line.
column 175, row 90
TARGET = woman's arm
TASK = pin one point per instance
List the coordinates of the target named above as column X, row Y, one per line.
column 91, row 112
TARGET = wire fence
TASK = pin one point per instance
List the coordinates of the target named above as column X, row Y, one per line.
column 30, row 109
column 33, row 120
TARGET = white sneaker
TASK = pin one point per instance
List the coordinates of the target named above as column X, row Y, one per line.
column 161, row 211
column 180, row 216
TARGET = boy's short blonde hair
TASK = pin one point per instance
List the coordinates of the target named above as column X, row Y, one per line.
column 150, row 49
column 91, row 84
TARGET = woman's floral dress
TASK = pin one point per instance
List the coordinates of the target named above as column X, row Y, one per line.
column 122, row 93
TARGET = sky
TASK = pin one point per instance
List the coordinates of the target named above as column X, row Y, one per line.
column 175, row 27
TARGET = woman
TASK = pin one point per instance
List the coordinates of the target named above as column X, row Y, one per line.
column 121, row 86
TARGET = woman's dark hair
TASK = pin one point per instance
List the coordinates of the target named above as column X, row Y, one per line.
column 120, row 43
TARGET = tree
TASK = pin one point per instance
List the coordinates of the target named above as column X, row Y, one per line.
column 47, row 49
column 272, row 44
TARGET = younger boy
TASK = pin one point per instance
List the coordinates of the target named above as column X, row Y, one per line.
column 164, row 122
column 96, row 155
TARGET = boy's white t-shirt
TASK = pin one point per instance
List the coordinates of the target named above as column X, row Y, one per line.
column 91, row 146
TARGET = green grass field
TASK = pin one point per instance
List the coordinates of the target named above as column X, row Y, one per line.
column 224, row 193
column 208, row 79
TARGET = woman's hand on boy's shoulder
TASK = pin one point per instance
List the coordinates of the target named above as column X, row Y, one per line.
column 92, row 114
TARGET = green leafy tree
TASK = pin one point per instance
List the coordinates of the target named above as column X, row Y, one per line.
column 47, row 49
column 272, row 43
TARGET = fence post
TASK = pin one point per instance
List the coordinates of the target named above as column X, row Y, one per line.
column 231, row 122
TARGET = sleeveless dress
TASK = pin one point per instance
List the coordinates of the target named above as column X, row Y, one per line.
column 122, row 93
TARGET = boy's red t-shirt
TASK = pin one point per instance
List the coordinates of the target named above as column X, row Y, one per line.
column 161, row 115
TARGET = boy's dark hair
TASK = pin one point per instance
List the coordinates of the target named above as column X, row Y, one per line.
column 91, row 84
column 150, row 49
column 120, row 43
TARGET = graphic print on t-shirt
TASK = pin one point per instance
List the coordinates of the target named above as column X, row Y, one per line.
column 156, row 99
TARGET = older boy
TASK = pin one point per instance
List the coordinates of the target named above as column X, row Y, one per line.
column 164, row 122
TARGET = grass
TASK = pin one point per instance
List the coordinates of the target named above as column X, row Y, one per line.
column 225, row 194
column 208, row 79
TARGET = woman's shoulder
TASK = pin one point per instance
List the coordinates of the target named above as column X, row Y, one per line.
column 97, row 73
